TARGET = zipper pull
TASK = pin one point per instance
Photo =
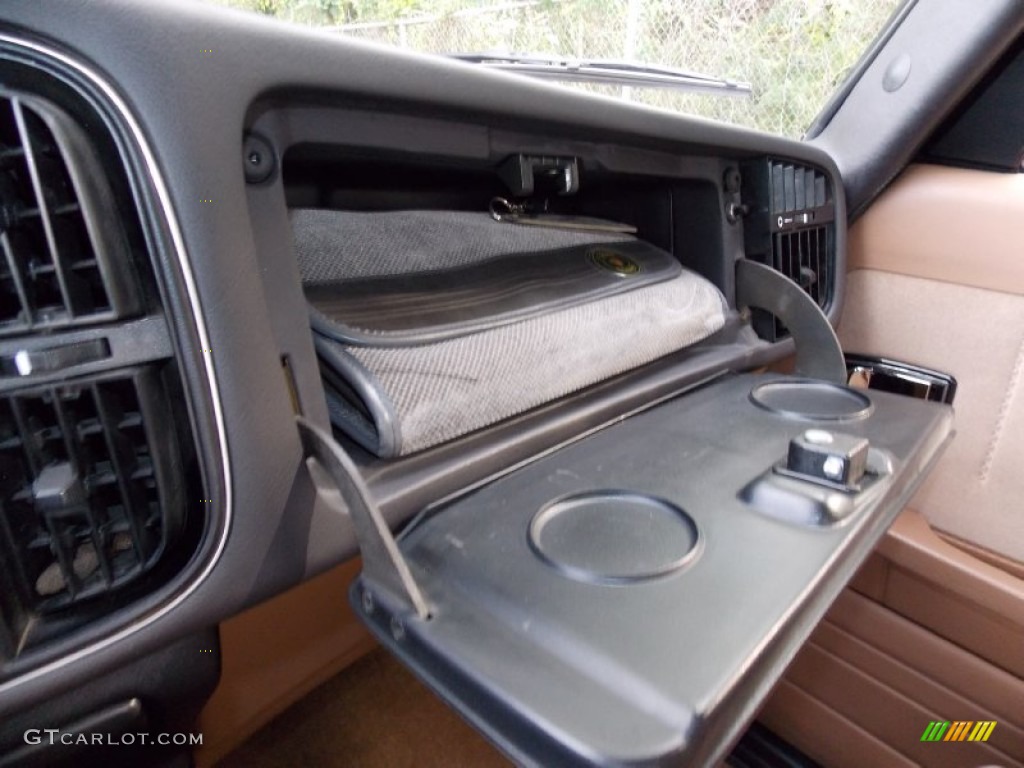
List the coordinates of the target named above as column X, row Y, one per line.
column 504, row 210
column 520, row 213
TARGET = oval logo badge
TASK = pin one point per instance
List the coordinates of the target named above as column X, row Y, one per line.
column 614, row 261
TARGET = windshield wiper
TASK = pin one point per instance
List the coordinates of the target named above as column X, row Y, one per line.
column 606, row 71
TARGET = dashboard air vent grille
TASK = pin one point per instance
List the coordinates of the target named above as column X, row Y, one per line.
column 804, row 257
column 87, row 486
column 791, row 229
column 103, row 491
column 57, row 246
column 796, row 188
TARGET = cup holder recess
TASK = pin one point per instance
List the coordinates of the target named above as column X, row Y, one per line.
column 811, row 400
column 614, row 537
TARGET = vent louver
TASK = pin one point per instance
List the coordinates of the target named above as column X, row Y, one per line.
column 803, row 257
column 795, row 188
column 88, row 486
column 792, row 230
column 59, row 249
column 102, row 497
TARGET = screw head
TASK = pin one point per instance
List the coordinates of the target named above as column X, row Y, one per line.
column 731, row 180
column 258, row 159
column 367, row 601
column 397, row 628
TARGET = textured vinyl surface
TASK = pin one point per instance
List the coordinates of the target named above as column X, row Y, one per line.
column 431, row 305
column 440, row 391
column 504, row 346
column 343, row 245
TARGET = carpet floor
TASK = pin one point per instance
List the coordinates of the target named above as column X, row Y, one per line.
column 374, row 714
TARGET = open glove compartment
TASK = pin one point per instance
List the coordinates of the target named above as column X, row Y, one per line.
column 620, row 576
column 631, row 598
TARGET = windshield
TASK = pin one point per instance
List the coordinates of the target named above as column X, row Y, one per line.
column 791, row 53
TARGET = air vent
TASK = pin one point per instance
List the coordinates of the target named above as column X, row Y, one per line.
column 89, row 486
column 103, row 505
column 63, row 255
column 804, row 257
column 796, row 188
column 791, row 228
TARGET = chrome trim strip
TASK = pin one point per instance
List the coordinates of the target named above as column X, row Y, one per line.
column 193, row 296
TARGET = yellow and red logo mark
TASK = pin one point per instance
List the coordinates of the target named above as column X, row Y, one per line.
column 614, row 261
column 958, row 730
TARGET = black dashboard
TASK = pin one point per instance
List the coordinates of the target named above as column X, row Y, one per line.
column 207, row 127
column 401, row 130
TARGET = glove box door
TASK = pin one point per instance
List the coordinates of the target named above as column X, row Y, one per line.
column 630, row 599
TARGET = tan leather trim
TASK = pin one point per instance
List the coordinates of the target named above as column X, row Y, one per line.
column 1012, row 567
column 277, row 652
column 988, row 635
column 823, row 734
column 863, row 691
column 938, row 660
column 903, row 678
column 971, row 603
column 916, row 548
column 870, row 579
column 978, row 336
column 926, row 632
column 949, row 224
column 876, row 679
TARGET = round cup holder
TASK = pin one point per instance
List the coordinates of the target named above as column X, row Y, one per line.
column 811, row 400
column 614, row 537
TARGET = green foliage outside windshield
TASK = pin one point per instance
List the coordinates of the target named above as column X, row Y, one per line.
column 793, row 52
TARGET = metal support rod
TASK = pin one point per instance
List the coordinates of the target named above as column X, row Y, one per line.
column 383, row 565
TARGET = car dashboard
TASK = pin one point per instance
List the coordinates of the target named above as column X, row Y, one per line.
column 167, row 149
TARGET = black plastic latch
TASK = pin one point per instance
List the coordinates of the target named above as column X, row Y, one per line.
column 526, row 175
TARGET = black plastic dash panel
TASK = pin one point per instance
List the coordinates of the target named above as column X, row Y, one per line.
column 623, row 601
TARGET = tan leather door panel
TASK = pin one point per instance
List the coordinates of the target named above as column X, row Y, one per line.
column 933, row 626
column 937, row 278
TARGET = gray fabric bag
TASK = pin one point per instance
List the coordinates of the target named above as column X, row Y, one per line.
column 432, row 324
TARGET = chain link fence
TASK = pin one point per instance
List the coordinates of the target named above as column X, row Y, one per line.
column 792, row 52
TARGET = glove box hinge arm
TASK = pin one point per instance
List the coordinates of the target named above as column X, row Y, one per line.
column 383, row 565
column 818, row 353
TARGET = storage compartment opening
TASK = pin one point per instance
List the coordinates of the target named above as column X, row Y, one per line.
column 681, row 216
column 433, row 320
